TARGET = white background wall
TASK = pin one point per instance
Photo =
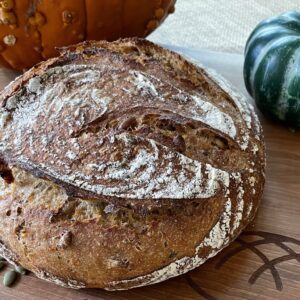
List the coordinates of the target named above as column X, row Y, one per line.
column 220, row 25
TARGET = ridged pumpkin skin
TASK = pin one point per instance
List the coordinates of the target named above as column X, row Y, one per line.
column 272, row 67
column 30, row 30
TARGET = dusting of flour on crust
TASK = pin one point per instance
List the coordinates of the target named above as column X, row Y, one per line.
column 216, row 240
column 245, row 108
column 144, row 84
column 174, row 174
column 68, row 283
column 145, row 169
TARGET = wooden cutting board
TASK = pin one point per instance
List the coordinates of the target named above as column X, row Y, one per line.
column 263, row 263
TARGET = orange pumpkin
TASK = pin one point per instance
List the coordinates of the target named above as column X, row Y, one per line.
column 30, row 30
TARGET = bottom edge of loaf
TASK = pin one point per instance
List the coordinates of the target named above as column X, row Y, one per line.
column 176, row 268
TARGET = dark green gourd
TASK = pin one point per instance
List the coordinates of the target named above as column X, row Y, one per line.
column 272, row 67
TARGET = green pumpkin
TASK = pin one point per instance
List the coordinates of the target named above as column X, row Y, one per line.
column 272, row 67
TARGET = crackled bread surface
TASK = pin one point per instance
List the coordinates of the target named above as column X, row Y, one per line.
column 124, row 165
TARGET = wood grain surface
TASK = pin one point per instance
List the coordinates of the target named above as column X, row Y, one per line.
column 263, row 263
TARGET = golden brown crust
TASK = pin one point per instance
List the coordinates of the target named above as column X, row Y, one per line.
column 122, row 242
column 178, row 170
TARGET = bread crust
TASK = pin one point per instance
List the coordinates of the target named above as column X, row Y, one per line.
column 130, row 165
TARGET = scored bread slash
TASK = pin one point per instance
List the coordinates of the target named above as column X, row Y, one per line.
column 132, row 164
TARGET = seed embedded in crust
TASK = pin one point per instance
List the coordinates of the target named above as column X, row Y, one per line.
column 117, row 262
column 9, row 40
column 219, row 143
column 116, row 156
column 65, row 240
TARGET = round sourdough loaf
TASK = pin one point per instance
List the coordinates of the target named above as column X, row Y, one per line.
column 124, row 165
